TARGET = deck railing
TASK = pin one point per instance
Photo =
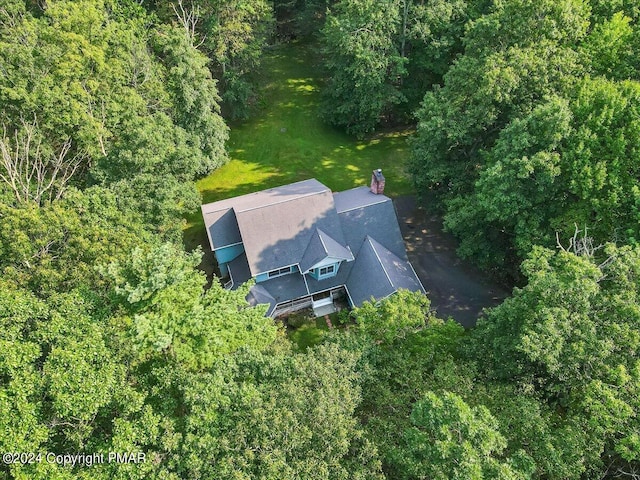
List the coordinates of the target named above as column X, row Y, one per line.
column 292, row 306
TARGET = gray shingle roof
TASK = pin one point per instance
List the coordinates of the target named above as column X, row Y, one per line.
column 268, row 196
column 356, row 198
column 277, row 235
column 366, row 268
column 399, row 272
column 275, row 225
column 221, row 226
column 259, row 295
column 304, row 223
column 320, row 247
column 377, row 220
column 219, row 217
column 390, row 271
column 286, row 287
column 333, row 248
column 239, row 270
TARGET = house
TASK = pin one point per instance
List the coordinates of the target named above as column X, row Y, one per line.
column 305, row 245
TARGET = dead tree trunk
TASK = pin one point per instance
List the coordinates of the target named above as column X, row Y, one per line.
column 31, row 174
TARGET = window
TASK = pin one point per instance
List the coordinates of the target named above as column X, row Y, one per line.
column 327, row 270
column 279, row 272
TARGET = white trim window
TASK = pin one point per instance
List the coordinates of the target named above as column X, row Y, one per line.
column 328, row 271
column 279, row 272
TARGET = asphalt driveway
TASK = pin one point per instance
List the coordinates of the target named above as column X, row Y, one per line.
column 456, row 289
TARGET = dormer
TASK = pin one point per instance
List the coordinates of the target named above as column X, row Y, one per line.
column 323, row 256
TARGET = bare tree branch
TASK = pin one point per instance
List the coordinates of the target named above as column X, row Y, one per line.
column 188, row 18
column 30, row 174
column 581, row 244
column 102, row 120
column 629, row 471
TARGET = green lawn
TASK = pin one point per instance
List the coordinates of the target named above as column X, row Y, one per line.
column 309, row 334
column 286, row 142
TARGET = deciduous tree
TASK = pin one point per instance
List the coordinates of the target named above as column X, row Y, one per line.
column 450, row 440
column 570, row 334
column 362, row 63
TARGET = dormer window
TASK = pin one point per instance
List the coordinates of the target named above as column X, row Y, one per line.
column 327, row 270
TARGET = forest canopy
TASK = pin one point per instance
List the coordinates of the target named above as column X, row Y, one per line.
column 526, row 140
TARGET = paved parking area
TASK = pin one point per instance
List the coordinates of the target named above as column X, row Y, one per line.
column 456, row 289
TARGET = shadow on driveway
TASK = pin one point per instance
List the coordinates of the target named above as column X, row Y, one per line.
column 456, row 289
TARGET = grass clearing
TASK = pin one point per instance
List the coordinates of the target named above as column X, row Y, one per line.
column 308, row 335
column 308, row 331
column 286, row 142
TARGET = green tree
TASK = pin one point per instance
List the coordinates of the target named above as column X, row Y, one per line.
column 236, row 34
column 362, row 62
column 307, row 17
column 517, row 145
column 538, row 438
column 55, row 248
column 57, row 69
column 570, row 335
column 63, row 387
column 518, row 192
column 173, row 317
column 568, row 162
column 610, row 46
column 430, row 39
column 510, row 65
column 194, row 97
column 393, row 317
column 450, row 440
column 233, row 34
column 601, row 159
column 128, row 101
column 399, row 344
column 275, row 415
column 390, row 65
column 150, row 169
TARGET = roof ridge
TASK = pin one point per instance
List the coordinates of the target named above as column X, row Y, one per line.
column 305, row 195
column 308, row 246
column 321, row 232
column 253, row 194
column 341, row 245
column 359, row 207
column 370, row 240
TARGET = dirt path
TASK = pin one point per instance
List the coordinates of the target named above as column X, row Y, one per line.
column 455, row 288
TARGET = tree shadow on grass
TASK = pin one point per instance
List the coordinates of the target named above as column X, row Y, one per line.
column 287, row 142
column 307, row 336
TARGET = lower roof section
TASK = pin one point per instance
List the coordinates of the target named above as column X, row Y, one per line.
column 376, row 274
column 239, row 271
column 260, row 296
column 285, row 287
